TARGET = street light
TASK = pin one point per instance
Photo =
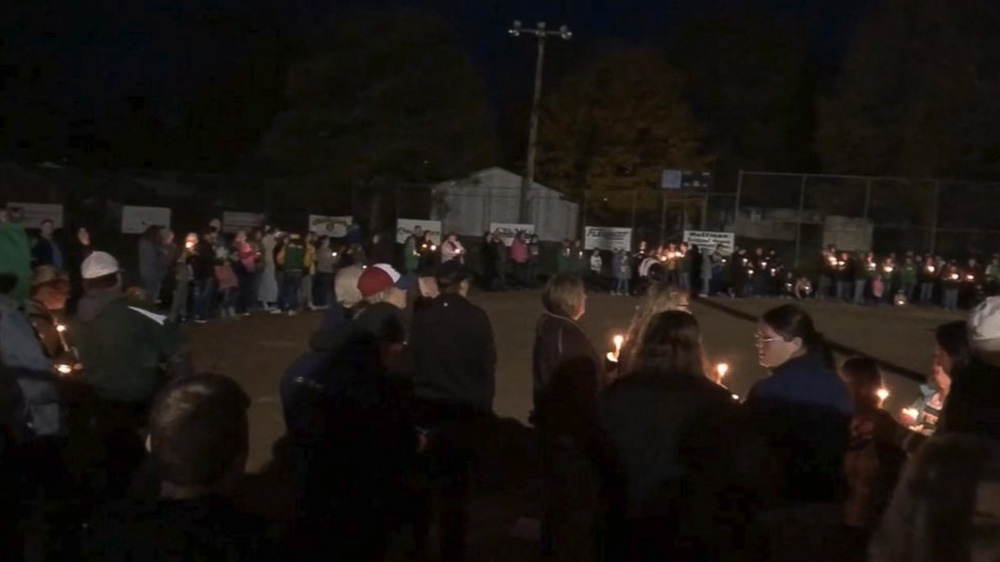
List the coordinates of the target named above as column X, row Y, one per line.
column 541, row 32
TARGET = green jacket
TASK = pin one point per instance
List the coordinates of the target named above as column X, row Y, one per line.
column 411, row 258
column 124, row 347
column 293, row 256
column 15, row 258
column 908, row 274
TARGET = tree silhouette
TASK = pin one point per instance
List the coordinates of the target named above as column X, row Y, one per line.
column 613, row 124
column 389, row 96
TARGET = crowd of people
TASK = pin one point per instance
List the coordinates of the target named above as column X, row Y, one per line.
column 113, row 448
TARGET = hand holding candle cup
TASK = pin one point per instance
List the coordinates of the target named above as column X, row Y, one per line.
column 618, row 341
column 909, row 416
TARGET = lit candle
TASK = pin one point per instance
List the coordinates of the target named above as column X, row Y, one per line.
column 60, row 328
column 64, row 369
column 618, row 340
column 722, row 369
column 882, row 394
column 910, row 416
column 736, row 397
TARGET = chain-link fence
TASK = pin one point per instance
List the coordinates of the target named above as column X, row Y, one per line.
column 798, row 213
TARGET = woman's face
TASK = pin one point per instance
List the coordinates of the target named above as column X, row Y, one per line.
column 53, row 296
column 772, row 350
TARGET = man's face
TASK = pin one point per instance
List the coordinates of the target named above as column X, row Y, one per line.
column 47, row 228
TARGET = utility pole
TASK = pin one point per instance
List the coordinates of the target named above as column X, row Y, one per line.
column 541, row 32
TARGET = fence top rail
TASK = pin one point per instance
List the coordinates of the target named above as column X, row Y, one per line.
column 854, row 177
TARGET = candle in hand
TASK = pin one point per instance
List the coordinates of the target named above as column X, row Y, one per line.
column 882, row 394
column 722, row 369
column 909, row 416
column 64, row 369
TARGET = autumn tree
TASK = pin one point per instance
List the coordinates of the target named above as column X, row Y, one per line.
column 918, row 93
column 613, row 124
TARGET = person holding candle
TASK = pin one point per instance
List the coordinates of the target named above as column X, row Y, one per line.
column 660, row 298
column 929, row 274
column 49, row 293
column 951, row 353
column 874, row 457
column 682, row 473
column 567, row 376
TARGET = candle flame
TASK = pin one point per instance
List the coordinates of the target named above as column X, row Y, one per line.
column 64, row 369
column 722, row 369
column 882, row 394
column 736, row 397
column 911, row 413
column 619, row 340
column 60, row 328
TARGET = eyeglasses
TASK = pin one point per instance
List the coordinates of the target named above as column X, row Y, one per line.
column 761, row 340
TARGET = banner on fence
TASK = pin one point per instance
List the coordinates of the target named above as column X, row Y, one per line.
column 32, row 214
column 135, row 220
column 711, row 240
column 608, row 238
column 404, row 228
column 334, row 227
column 507, row 230
column 233, row 221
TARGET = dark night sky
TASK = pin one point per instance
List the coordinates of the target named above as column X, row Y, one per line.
column 101, row 51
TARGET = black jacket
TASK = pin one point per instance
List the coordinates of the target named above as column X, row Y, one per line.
column 203, row 261
column 453, row 353
column 566, row 369
column 683, row 465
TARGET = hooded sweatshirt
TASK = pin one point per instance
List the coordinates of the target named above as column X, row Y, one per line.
column 122, row 345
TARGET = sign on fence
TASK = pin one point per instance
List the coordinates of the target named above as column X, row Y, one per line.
column 507, row 230
column 710, row 240
column 334, row 227
column 608, row 238
column 135, row 220
column 404, row 228
column 32, row 214
column 233, row 221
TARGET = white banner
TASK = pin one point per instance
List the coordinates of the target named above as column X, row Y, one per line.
column 234, row 221
column 507, row 230
column 135, row 220
column 404, row 228
column 709, row 241
column 608, row 238
column 334, row 227
column 32, row 214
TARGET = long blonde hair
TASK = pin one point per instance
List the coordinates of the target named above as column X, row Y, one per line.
column 660, row 298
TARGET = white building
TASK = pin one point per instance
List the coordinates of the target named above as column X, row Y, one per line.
column 468, row 206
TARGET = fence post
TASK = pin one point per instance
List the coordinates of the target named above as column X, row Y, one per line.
column 704, row 212
column 798, row 225
column 739, row 193
column 663, row 215
column 635, row 202
column 934, row 214
column 868, row 198
column 583, row 216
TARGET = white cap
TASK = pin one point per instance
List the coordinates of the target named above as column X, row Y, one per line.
column 98, row 264
column 984, row 325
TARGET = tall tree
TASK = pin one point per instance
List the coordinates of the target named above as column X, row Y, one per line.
column 918, row 94
column 391, row 96
column 613, row 124
column 747, row 79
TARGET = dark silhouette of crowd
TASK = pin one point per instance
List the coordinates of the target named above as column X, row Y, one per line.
column 113, row 448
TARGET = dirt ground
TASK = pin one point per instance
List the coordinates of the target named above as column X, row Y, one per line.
column 256, row 350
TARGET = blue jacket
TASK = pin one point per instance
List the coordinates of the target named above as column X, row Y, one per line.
column 803, row 409
column 22, row 357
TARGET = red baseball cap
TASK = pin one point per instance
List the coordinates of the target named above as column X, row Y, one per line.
column 381, row 276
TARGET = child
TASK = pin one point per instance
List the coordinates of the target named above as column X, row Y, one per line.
column 873, row 459
column 229, row 286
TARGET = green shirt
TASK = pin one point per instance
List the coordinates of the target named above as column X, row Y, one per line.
column 15, row 258
column 122, row 346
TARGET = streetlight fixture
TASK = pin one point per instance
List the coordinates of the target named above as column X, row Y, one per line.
column 542, row 33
